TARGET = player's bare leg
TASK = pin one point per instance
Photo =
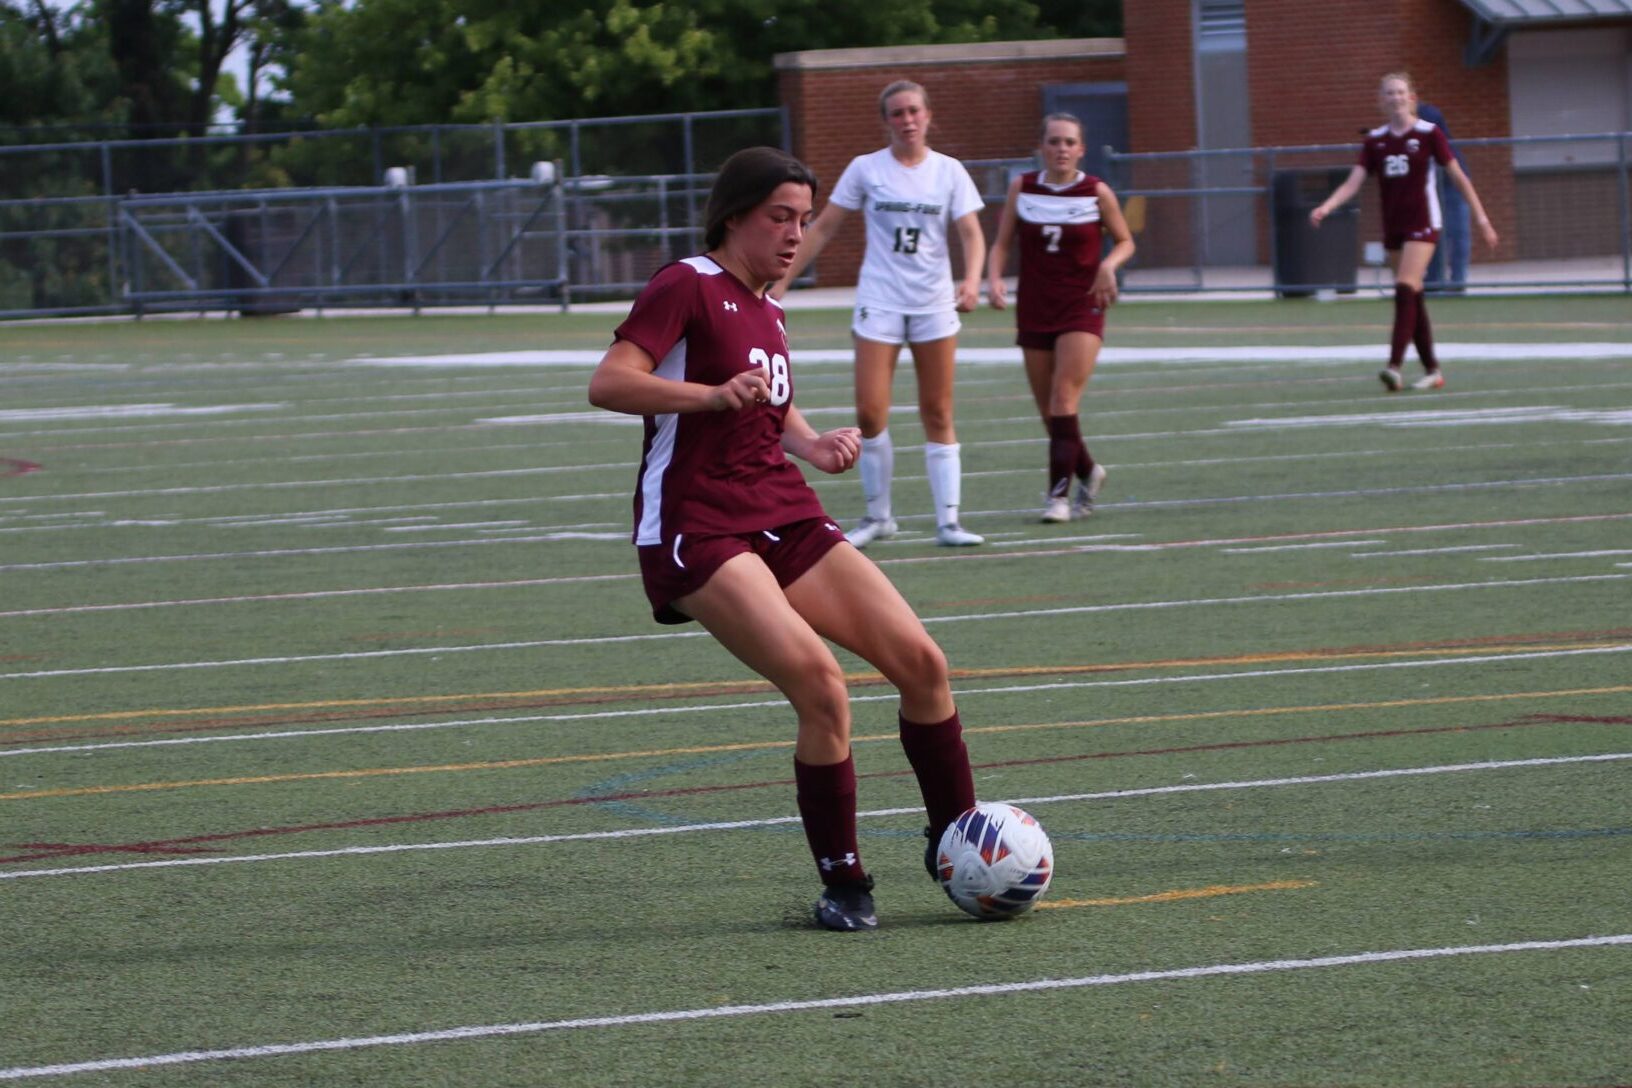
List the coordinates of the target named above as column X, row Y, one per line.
column 875, row 376
column 1410, row 265
column 743, row 607
column 847, row 599
column 943, row 458
column 1058, row 378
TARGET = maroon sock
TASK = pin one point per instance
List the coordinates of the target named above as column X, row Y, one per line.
column 941, row 762
column 1424, row 338
column 827, row 805
column 1406, row 305
column 1085, row 460
column 1064, row 449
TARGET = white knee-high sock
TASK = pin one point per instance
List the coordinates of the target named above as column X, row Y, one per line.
column 944, row 463
column 877, row 465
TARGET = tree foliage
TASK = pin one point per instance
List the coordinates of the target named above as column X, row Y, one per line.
column 427, row 61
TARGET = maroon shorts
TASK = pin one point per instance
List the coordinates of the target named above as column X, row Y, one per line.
column 1082, row 319
column 1397, row 239
column 679, row 567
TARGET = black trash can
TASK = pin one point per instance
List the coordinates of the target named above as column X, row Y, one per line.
column 1308, row 259
column 257, row 236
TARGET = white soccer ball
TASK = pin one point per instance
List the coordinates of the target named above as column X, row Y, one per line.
column 995, row 861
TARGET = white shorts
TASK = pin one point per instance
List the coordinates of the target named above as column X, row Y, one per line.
column 894, row 327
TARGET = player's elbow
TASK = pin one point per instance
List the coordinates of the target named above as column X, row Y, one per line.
column 602, row 393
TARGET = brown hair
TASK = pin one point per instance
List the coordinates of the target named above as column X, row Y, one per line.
column 1070, row 117
column 1410, row 84
column 896, row 88
column 744, row 181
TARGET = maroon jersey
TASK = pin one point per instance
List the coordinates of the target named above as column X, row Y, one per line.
column 1060, row 248
column 1407, row 171
column 714, row 472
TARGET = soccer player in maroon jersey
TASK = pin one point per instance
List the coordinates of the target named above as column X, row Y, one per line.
column 1065, row 285
column 1405, row 153
column 730, row 535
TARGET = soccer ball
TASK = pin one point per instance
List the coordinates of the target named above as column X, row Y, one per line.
column 995, row 861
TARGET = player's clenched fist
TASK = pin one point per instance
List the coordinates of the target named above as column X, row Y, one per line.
column 742, row 391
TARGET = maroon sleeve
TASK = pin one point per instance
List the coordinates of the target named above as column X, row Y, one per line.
column 657, row 321
column 1441, row 146
column 1366, row 159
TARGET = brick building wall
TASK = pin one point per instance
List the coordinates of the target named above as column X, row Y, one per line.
column 986, row 101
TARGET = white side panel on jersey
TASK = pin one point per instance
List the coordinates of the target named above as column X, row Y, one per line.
column 1065, row 210
column 658, row 458
column 1436, row 218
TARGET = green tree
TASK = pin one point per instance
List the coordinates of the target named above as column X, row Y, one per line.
column 435, row 61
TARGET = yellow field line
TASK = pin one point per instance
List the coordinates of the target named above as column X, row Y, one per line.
column 659, row 753
column 1180, row 893
column 751, row 686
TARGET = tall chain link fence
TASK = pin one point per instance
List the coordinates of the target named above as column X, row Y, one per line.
column 436, row 216
column 1239, row 220
column 429, row 215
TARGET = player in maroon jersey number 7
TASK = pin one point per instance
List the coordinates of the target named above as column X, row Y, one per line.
column 1065, row 288
column 730, row 535
column 1405, row 153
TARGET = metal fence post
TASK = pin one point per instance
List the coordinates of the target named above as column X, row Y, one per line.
column 1274, row 228
column 1626, row 218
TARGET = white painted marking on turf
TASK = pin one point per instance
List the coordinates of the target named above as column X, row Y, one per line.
column 483, row 647
column 126, row 411
column 1318, row 355
column 1556, row 555
column 536, row 470
column 1444, row 417
column 619, row 418
column 1299, row 547
column 718, row 1012
column 778, row 821
column 1391, row 554
column 717, row 708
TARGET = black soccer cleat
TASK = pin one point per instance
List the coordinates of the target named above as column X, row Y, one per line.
column 847, row 907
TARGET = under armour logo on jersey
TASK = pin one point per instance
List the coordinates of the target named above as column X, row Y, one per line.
column 732, row 306
column 828, row 864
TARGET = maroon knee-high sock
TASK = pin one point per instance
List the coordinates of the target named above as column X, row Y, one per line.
column 1407, row 303
column 941, row 762
column 1423, row 337
column 1085, row 460
column 827, row 806
column 1064, row 451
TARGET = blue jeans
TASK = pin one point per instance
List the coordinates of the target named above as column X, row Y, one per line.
column 1455, row 242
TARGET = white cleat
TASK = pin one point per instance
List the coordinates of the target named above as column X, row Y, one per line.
column 1431, row 380
column 1088, row 491
column 1056, row 511
column 1392, row 379
column 868, row 530
column 956, row 536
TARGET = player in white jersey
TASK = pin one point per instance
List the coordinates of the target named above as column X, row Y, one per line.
column 907, row 194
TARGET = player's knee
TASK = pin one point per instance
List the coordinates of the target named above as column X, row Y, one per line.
column 937, row 418
column 921, row 668
column 821, row 698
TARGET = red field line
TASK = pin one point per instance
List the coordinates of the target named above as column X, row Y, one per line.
column 192, row 843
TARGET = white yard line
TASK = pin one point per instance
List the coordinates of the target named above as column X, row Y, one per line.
column 780, row 821
column 896, row 997
column 601, row 640
column 760, row 705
